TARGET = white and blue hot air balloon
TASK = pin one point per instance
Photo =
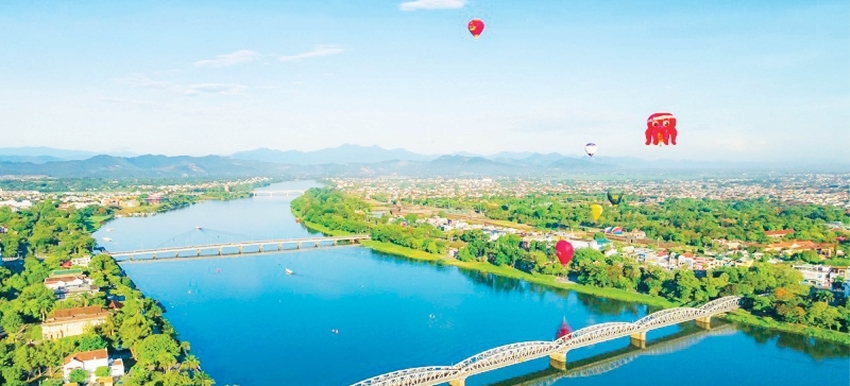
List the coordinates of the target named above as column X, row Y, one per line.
column 590, row 149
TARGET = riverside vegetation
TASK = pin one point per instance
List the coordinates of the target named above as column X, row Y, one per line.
column 47, row 237
column 787, row 305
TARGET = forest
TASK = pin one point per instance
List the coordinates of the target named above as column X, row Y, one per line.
column 46, row 237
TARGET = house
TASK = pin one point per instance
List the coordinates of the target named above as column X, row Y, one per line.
column 81, row 261
column 90, row 361
column 72, row 321
column 68, row 286
column 791, row 246
column 778, row 234
column 816, row 275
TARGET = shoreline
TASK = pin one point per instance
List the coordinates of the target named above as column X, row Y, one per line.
column 741, row 317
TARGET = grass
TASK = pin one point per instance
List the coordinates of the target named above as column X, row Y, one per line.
column 95, row 222
column 321, row 228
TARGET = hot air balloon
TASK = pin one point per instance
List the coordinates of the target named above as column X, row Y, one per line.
column 476, row 27
column 565, row 251
column 661, row 128
column 564, row 330
column 595, row 211
column 615, row 196
column 590, row 149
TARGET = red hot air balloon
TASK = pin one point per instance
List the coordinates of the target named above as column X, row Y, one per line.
column 661, row 128
column 565, row 251
column 476, row 27
column 564, row 330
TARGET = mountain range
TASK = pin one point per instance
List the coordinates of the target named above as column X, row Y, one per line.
column 346, row 160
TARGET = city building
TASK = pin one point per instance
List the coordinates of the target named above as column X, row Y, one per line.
column 90, row 361
column 72, row 321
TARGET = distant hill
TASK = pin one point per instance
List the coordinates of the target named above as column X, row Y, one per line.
column 149, row 166
column 43, row 154
column 358, row 161
column 344, row 154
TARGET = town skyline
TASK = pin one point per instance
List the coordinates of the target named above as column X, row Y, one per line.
column 762, row 82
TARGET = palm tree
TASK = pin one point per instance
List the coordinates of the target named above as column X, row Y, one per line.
column 824, row 296
column 203, row 379
column 185, row 346
column 191, row 362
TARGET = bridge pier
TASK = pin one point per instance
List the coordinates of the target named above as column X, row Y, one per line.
column 558, row 360
column 704, row 322
column 153, row 256
column 219, row 251
column 298, row 245
column 199, row 252
column 457, row 382
column 240, row 249
column 279, row 246
column 260, row 250
column 317, row 244
column 638, row 339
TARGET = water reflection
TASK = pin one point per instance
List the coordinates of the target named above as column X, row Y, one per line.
column 817, row 349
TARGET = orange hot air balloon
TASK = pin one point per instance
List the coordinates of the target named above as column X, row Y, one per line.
column 476, row 27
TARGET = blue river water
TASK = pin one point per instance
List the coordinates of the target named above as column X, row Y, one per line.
column 251, row 324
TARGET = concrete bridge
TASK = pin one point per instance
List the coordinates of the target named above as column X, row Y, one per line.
column 556, row 350
column 237, row 248
column 269, row 193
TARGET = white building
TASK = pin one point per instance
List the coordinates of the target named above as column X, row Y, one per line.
column 90, row 361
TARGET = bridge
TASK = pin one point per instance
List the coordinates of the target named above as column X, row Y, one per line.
column 269, row 193
column 556, row 350
column 234, row 248
column 610, row 361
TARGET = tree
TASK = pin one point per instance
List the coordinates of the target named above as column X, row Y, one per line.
column 157, row 351
column 102, row 371
column 79, row 376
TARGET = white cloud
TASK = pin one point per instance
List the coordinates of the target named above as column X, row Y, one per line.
column 141, row 81
column 318, row 51
column 241, row 56
column 432, row 4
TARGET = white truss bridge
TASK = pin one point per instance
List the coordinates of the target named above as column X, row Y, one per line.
column 514, row 353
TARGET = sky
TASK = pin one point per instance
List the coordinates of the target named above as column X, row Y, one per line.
column 749, row 81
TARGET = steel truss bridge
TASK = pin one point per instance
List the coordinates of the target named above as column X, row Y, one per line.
column 603, row 363
column 510, row 354
column 233, row 248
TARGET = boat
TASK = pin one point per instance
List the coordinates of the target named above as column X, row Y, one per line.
column 289, row 272
column 563, row 330
column 198, row 227
column 107, row 239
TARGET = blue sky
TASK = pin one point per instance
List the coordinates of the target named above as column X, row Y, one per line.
column 765, row 80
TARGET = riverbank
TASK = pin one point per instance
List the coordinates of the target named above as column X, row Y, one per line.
column 513, row 273
column 739, row 316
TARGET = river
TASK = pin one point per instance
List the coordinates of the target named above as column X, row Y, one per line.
column 251, row 324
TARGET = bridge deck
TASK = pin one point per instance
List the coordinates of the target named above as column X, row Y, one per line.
column 240, row 244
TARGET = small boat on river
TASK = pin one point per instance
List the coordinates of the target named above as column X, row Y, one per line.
column 289, row 272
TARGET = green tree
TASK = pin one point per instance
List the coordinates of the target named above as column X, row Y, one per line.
column 102, row 371
column 79, row 376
